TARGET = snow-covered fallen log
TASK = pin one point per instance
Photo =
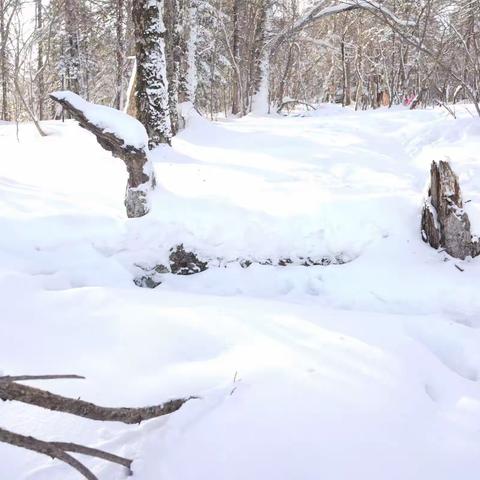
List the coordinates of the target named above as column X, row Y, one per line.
column 122, row 135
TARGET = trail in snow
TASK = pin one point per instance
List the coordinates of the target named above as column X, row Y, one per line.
column 369, row 369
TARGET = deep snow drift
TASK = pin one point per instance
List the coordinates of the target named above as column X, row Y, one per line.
column 366, row 370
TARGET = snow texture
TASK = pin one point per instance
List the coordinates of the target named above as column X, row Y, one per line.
column 366, row 370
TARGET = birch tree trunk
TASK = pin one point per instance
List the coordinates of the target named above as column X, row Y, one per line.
column 120, row 54
column 260, row 98
column 237, row 80
column 3, row 59
column 188, row 70
column 72, row 52
column 151, row 86
column 173, row 18
column 40, row 75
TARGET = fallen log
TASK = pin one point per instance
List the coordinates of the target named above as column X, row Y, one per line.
column 123, row 136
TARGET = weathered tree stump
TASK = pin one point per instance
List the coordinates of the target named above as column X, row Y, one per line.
column 444, row 222
column 107, row 124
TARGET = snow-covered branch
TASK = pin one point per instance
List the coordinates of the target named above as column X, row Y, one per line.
column 122, row 135
column 319, row 11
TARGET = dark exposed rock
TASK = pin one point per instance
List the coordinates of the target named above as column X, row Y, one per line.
column 444, row 222
column 183, row 262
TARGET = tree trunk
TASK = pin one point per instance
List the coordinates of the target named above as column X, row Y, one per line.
column 40, row 76
column 173, row 18
column 131, row 105
column 3, row 60
column 260, row 100
column 345, row 76
column 237, row 81
column 151, row 79
column 188, row 45
column 120, row 54
column 72, row 52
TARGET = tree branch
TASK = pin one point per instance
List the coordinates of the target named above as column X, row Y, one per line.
column 45, row 448
column 20, row 378
column 93, row 452
column 51, row 401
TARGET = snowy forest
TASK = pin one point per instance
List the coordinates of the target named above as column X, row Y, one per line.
column 239, row 239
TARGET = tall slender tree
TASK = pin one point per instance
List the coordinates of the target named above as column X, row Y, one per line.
column 151, row 87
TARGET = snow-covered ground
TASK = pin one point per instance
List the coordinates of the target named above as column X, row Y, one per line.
column 366, row 370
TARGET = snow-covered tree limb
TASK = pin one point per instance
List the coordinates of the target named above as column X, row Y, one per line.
column 320, row 11
column 122, row 135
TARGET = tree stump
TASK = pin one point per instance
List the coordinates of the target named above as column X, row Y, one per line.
column 444, row 222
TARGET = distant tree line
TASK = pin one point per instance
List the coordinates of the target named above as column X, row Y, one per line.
column 235, row 56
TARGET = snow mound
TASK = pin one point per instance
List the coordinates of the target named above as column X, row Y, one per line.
column 365, row 370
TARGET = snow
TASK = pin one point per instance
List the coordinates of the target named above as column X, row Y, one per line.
column 368, row 369
column 109, row 119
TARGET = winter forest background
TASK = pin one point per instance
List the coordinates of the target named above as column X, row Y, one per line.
column 259, row 256
column 382, row 53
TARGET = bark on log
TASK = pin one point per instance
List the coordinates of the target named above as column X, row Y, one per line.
column 444, row 222
column 141, row 178
column 51, row 401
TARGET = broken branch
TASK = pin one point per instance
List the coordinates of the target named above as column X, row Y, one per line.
column 23, row 378
column 51, row 401
column 46, row 448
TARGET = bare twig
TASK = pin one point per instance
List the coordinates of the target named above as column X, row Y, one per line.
column 24, row 378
